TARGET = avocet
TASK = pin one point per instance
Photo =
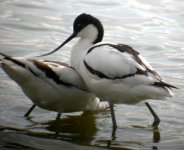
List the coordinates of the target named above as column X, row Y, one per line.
column 114, row 72
column 51, row 85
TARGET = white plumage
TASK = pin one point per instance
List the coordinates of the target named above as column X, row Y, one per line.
column 115, row 73
column 51, row 85
column 125, row 80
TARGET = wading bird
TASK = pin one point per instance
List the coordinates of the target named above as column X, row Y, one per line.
column 51, row 85
column 114, row 72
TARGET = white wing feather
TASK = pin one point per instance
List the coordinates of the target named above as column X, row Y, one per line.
column 112, row 62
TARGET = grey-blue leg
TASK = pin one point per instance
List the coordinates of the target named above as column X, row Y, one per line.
column 111, row 105
column 156, row 118
column 30, row 110
column 58, row 116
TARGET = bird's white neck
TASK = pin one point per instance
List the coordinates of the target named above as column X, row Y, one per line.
column 79, row 50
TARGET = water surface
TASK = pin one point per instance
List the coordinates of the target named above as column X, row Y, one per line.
column 154, row 28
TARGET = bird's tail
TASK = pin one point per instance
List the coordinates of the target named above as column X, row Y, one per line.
column 4, row 55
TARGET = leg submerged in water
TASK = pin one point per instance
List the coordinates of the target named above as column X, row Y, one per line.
column 111, row 105
column 156, row 118
column 58, row 116
column 30, row 110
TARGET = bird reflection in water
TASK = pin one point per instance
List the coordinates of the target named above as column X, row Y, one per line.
column 82, row 129
column 78, row 129
column 115, row 140
column 156, row 135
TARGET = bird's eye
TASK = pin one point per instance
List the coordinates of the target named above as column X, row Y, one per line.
column 79, row 25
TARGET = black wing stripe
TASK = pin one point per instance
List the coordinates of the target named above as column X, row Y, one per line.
column 20, row 64
column 135, row 55
column 16, row 62
column 102, row 75
column 163, row 84
column 52, row 75
column 43, row 67
column 130, row 50
column 125, row 48
column 34, row 73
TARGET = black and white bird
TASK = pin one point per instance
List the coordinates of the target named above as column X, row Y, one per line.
column 51, row 85
column 114, row 72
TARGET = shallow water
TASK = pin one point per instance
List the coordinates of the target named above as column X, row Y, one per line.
column 154, row 28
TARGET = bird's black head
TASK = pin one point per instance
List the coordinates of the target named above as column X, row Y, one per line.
column 84, row 20
column 80, row 23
